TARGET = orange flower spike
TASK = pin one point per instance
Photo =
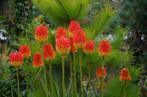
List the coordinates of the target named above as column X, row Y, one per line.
column 73, row 26
column 16, row 59
column 89, row 47
column 41, row 33
column 100, row 72
column 124, row 75
column 79, row 39
column 37, row 60
column 25, row 50
column 104, row 48
column 60, row 32
column 73, row 49
column 63, row 45
column 48, row 51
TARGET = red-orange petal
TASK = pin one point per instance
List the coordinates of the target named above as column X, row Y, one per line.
column 41, row 33
column 100, row 72
column 125, row 75
column 89, row 47
column 37, row 60
column 60, row 32
column 73, row 26
column 25, row 50
column 104, row 48
column 79, row 39
column 48, row 51
column 16, row 59
column 63, row 45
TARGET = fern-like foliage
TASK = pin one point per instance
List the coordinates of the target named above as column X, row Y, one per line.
column 102, row 19
column 62, row 11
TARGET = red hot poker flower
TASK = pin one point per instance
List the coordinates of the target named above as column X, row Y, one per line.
column 89, row 47
column 60, row 32
column 124, row 75
column 63, row 45
column 48, row 51
column 73, row 26
column 79, row 39
column 25, row 50
column 73, row 49
column 37, row 60
column 16, row 59
column 100, row 72
column 104, row 48
column 41, row 33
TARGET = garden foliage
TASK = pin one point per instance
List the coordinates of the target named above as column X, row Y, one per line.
column 60, row 13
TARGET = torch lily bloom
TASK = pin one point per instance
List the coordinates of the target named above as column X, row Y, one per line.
column 124, row 75
column 63, row 45
column 89, row 47
column 73, row 26
column 100, row 72
column 79, row 39
column 104, row 48
column 25, row 50
column 60, row 32
column 73, row 49
column 16, row 59
column 48, row 51
column 41, row 33
column 37, row 60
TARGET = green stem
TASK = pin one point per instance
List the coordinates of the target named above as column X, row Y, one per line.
column 51, row 83
column 37, row 74
column 45, row 76
column 89, row 70
column 89, row 77
column 63, row 80
column 124, row 94
column 75, row 79
column 71, row 78
column 18, row 85
column 81, row 73
column 12, row 92
column 102, row 80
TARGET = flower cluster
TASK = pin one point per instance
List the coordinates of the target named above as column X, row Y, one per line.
column 89, row 47
column 101, row 72
column 67, row 41
column 25, row 50
column 104, row 48
column 73, row 39
column 41, row 35
column 63, row 45
column 16, row 59
column 79, row 39
column 48, row 51
column 73, row 27
column 125, row 75
column 37, row 60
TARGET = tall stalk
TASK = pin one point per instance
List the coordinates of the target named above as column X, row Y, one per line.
column 124, row 89
column 102, row 82
column 81, row 73
column 63, row 78
column 71, row 78
column 102, row 79
column 18, row 84
column 51, row 83
column 89, row 76
column 75, row 79
column 45, row 79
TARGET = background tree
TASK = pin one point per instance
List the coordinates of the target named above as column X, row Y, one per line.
column 134, row 14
